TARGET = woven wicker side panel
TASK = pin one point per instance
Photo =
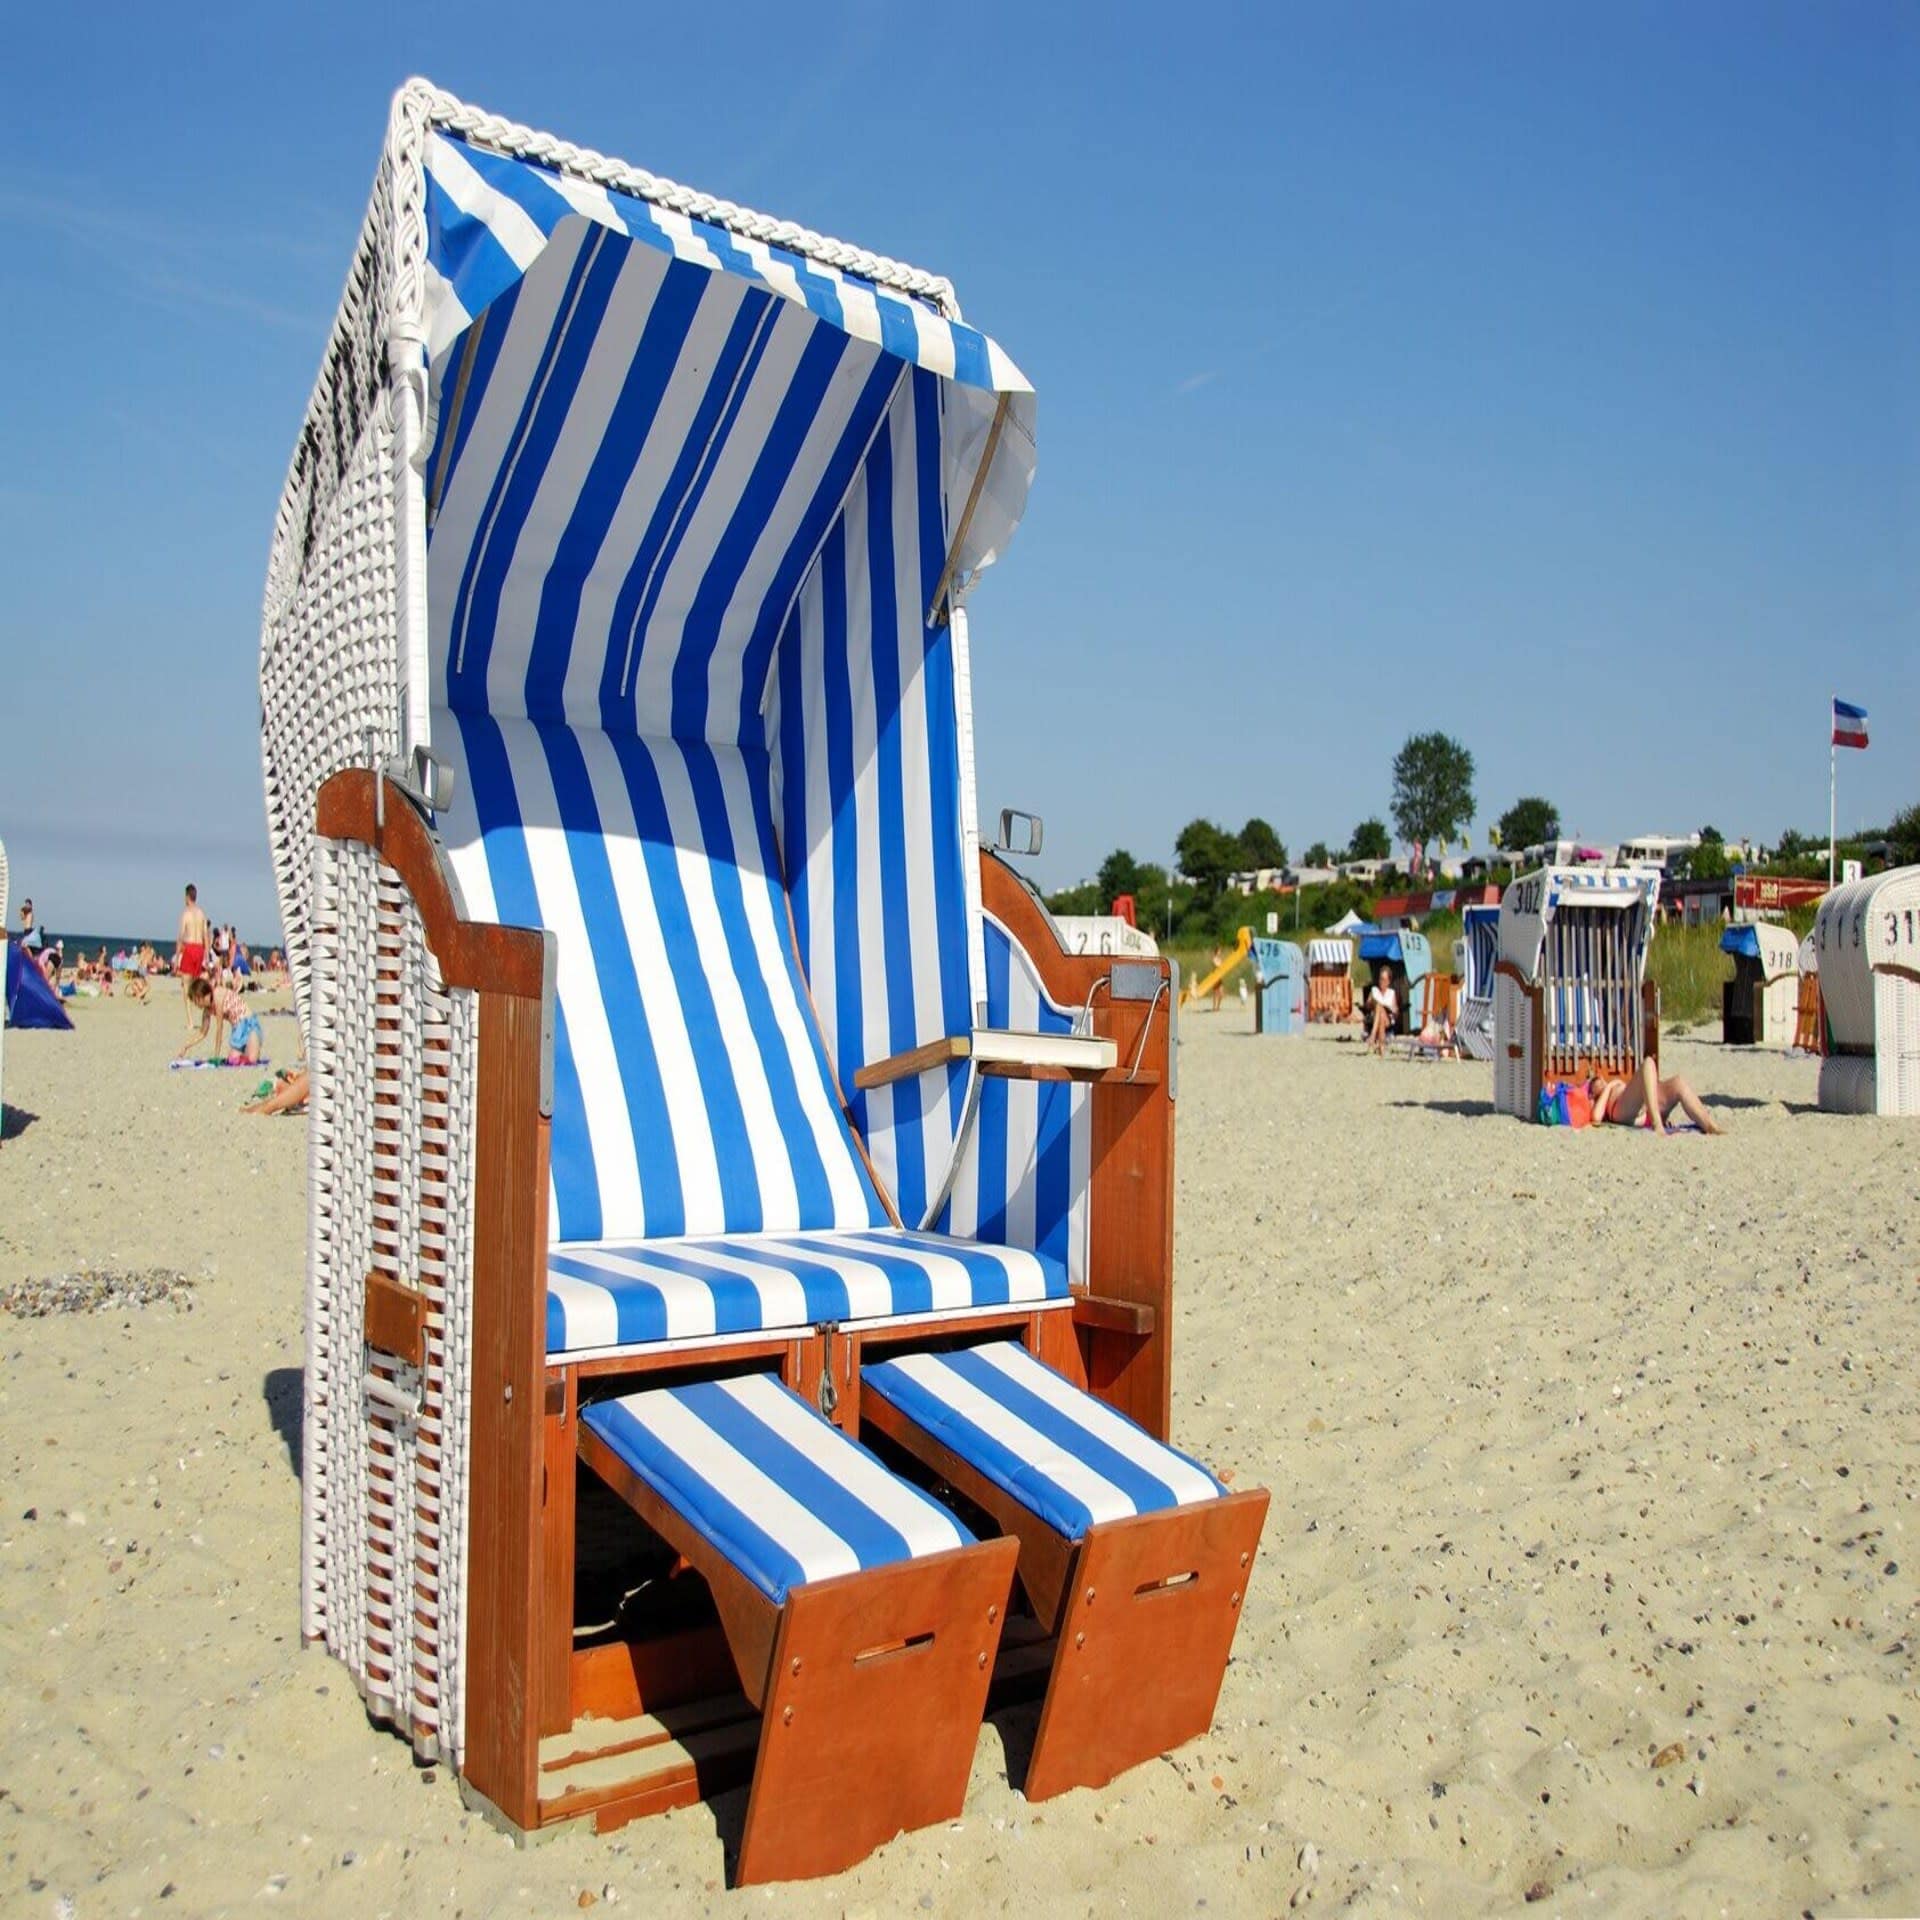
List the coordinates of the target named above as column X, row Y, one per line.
column 329, row 675
column 384, row 1458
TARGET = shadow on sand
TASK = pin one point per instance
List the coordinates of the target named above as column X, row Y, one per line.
column 1459, row 1109
column 281, row 1391
column 14, row 1121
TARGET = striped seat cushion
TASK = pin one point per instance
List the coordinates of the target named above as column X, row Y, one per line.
column 1064, row 1455
column 785, row 1497
column 624, row 1294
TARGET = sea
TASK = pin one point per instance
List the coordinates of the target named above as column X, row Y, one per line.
column 76, row 944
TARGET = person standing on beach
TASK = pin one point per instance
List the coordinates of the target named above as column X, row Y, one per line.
column 30, row 934
column 190, row 953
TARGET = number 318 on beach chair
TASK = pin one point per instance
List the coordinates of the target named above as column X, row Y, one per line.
column 739, row 1291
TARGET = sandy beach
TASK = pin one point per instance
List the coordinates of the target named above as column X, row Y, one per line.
column 1589, row 1584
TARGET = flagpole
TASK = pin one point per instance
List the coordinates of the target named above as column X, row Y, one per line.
column 1833, row 775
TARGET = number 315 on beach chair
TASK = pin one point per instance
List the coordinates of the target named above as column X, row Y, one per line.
column 739, row 1299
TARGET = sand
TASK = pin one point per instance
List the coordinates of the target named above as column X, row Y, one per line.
column 1588, row 1452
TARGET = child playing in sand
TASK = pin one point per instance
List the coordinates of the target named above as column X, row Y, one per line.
column 220, row 1003
column 1647, row 1101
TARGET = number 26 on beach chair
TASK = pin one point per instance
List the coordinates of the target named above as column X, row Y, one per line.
column 680, row 1055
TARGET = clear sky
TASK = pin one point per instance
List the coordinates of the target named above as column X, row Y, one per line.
column 1550, row 375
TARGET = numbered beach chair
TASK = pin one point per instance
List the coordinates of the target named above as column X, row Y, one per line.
column 1280, row 987
column 677, row 1049
column 1571, row 995
column 1867, row 937
column 1760, row 1004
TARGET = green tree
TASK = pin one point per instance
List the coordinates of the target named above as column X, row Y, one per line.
column 1370, row 841
column 1904, row 831
column 1528, row 822
column 1318, row 856
column 1432, row 789
column 1260, row 846
column 1119, row 873
column 1207, row 856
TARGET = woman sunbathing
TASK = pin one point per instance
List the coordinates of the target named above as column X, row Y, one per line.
column 1647, row 1101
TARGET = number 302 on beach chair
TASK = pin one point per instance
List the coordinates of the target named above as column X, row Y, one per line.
column 678, row 1050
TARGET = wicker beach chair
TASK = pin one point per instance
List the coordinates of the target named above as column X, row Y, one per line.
column 1571, row 996
column 1480, row 950
column 676, row 1047
column 1867, row 938
column 1330, row 980
column 1759, row 1006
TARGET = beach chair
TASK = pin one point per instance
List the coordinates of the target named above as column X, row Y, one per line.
column 1571, row 995
column 1809, row 1019
column 1866, row 934
column 673, row 1037
column 1759, row 1006
column 1480, row 951
column 1280, row 987
column 1330, row 980
column 1433, row 1024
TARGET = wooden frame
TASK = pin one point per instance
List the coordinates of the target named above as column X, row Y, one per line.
column 554, row 1732
column 1131, row 1200
column 1535, row 998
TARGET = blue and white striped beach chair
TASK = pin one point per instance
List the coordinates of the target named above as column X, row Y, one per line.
column 668, row 1021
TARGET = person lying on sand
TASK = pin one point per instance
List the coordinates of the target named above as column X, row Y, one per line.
column 1646, row 1100
column 222, row 1009
column 288, row 1097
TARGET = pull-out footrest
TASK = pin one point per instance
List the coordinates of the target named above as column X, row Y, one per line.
column 1131, row 1554
column 863, row 1618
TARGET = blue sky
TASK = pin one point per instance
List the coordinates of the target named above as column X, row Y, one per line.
column 1548, row 375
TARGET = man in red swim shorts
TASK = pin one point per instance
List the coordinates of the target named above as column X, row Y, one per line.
column 190, row 955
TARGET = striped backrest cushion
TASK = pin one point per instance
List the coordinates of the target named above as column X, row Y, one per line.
column 691, row 1094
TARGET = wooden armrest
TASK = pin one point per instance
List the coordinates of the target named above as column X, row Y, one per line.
column 1003, row 1052
column 1113, row 1316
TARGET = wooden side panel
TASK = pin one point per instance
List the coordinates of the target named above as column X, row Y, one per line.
column 1132, row 1197
column 879, row 1686
column 1144, row 1639
column 396, row 1320
column 504, row 1610
column 554, row 1637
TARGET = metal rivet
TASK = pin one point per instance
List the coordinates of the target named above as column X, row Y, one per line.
column 796, row 1663
column 1079, row 1639
column 1089, row 1596
column 787, row 1717
column 993, row 1614
column 1244, row 1558
column 982, row 1660
column 1235, row 1601
column 507, row 1391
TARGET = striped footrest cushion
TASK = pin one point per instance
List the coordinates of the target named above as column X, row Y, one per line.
column 785, row 1497
column 1064, row 1455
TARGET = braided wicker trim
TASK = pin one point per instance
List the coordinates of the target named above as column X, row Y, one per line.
column 524, row 143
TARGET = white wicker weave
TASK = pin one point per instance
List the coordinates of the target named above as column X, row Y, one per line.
column 391, row 1050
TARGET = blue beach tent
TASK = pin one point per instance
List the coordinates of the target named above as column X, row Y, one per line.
column 30, row 1001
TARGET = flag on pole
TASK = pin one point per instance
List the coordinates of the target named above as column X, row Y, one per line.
column 1849, row 725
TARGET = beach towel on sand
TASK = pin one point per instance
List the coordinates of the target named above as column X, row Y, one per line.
column 251, row 1066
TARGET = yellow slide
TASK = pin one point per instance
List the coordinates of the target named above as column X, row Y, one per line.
column 1199, row 989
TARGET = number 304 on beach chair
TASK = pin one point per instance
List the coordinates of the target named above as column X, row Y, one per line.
column 678, row 1053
